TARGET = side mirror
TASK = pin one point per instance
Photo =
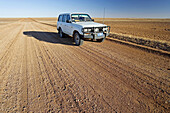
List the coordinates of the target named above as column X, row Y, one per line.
column 92, row 19
column 68, row 21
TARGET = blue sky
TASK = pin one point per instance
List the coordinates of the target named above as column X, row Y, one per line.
column 113, row 8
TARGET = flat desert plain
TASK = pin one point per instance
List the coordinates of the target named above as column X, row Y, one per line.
column 40, row 72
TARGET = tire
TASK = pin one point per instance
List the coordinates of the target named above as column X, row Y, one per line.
column 93, row 40
column 61, row 34
column 100, row 40
column 77, row 39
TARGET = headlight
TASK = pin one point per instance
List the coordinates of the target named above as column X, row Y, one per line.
column 85, row 30
column 89, row 30
column 96, row 30
column 105, row 29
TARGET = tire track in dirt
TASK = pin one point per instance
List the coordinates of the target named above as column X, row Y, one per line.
column 125, row 78
column 10, row 44
column 36, row 101
column 33, row 78
column 24, row 85
column 47, row 74
column 45, row 61
column 10, row 93
column 114, row 55
column 160, row 82
column 118, row 64
column 5, row 67
column 6, row 54
column 121, row 69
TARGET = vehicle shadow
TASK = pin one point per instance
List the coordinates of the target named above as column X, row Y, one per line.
column 51, row 37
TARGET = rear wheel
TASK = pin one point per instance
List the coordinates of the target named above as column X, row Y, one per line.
column 61, row 33
column 77, row 39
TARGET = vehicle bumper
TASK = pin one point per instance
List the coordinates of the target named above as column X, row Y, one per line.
column 94, row 35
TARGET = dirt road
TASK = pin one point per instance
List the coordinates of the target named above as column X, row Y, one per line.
column 40, row 72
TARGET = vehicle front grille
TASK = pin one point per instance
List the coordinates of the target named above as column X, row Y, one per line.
column 100, row 29
column 94, row 29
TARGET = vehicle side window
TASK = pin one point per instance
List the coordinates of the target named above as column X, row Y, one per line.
column 68, row 17
column 64, row 18
column 60, row 18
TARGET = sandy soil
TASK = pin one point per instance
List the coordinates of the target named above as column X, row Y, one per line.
column 158, row 29
column 40, row 72
column 8, row 20
column 148, row 29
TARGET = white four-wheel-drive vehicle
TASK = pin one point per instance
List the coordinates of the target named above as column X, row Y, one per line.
column 81, row 26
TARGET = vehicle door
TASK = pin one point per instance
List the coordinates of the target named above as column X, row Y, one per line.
column 63, row 24
column 68, row 25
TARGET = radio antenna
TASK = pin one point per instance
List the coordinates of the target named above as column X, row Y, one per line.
column 103, row 15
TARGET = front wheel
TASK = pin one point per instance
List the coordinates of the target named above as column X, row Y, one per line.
column 77, row 39
column 61, row 33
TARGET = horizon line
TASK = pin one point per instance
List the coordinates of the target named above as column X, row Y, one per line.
column 101, row 17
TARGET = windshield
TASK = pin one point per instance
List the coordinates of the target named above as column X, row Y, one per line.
column 80, row 17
